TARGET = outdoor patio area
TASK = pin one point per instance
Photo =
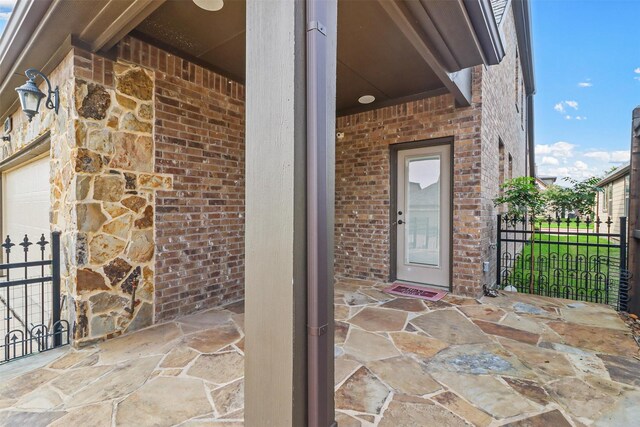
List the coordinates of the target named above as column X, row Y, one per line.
column 512, row 360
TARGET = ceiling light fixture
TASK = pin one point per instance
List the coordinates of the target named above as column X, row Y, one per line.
column 210, row 5
column 366, row 99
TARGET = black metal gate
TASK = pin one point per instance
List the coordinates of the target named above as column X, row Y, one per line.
column 575, row 259
column 30, row 298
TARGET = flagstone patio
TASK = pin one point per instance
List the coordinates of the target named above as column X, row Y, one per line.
column 514, row 360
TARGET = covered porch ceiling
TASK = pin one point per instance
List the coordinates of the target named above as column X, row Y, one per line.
column 393, row 50
column 389, row 49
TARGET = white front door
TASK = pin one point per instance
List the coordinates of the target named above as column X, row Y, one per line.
column 423, row 215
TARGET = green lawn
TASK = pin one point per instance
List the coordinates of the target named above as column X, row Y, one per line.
column 562, row 270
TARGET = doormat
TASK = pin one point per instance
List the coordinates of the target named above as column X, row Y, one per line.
column 415, row 291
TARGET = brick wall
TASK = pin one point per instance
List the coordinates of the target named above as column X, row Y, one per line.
column 199, row 139
column 363, row 183
column 363, row 171
column 503, row 119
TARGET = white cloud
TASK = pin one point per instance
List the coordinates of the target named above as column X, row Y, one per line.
column 563, row 159
column 609, row 156
column 585, row 84
column 581, row 118
column 560, row 149
column 4, row 16
column 637, row 70
column 559, row 107
column 580, row 165
column 600, row 155
column 7, row 3
column 572, row 104
column 620, row 156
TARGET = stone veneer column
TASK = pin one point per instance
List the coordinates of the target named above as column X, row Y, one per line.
column 102, row 190
column 108, row 208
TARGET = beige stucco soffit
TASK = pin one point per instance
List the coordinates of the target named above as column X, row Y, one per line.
column 453, row 75
column 115, row 20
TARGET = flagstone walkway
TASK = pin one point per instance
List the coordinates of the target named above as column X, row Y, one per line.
column 515, row 360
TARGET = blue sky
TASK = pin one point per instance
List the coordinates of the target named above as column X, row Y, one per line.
column 5, row 11
column 587, row 65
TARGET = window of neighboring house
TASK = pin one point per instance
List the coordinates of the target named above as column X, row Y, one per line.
column 627, row 190
column 605, row 201
column 610, row 198
column 510, row 167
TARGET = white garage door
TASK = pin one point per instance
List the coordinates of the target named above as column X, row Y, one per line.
column 25, row 202
column 25, row 210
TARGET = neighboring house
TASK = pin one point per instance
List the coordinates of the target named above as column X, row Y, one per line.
column 146, row 155
column 543, row 182
column 613, row 201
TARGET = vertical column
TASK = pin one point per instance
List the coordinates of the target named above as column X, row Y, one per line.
column 634, row 216
column 275, row 230
column 321, row 113
column 290, row 162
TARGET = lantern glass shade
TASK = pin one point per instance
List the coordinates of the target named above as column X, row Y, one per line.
column 30, row 98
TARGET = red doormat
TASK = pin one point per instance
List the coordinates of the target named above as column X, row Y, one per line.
column 415, row 291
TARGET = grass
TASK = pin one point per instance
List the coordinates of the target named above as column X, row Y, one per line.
column 563, row 270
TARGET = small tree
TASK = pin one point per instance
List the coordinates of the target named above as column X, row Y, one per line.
column 583, row 195
column 559, row 199
column 523, row 198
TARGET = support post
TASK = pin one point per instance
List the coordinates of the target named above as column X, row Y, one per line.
column 634, row 216
column 290, row 114
column 499, row 252
column 55, row 288
column 623, row 291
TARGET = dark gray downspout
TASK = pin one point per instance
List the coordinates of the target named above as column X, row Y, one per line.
column 633, row 305
column 321, row 24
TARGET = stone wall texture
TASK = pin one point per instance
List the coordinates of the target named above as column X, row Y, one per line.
column 363, row 173
column 147, row 173
column 199, row 140
column 114, row 197
column 103, row 191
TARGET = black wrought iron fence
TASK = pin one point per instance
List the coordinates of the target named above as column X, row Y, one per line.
column 576, row 259
column 30, row 298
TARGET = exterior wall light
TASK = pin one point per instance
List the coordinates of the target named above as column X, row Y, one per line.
column 31, row 95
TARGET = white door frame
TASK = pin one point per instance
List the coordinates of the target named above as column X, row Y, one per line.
column 446, row 269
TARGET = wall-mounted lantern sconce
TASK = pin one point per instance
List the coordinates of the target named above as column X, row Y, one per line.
column 31, row 95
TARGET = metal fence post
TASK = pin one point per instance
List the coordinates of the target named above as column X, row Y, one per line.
column 623, row 290
column 623, row 242
column 499, row 251
column 55, row 288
